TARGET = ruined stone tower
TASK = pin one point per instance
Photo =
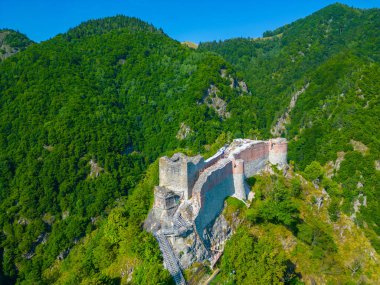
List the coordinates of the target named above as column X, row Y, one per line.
column 179, row 173
column 278, row 151
column 191, row 195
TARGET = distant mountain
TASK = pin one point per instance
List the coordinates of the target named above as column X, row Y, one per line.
column 317, row 84
column 12, row 42
column 190, row 44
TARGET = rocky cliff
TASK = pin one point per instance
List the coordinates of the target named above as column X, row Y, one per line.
column 190, row 198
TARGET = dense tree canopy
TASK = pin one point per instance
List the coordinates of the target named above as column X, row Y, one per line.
column 84, row 114
column 336, row 53
column 81, row 117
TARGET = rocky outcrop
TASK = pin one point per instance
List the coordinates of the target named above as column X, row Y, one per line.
column 190, row 44
column 192, row 248
column 183, row 132
column 190, row 198
column 11, row 42
column 377, row 165
column 212, row 100
column 332, row 167
column 49, row 148
column 279, row 128
column 95, row 169
column 360, row 201
column 23, row 221
column 240, row 85
column 42, row 238
column 243, row 86
column 359, row 146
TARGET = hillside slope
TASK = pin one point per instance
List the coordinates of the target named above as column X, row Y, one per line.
column 291, row 235
column 322, row 73
column 81, row 117
column 11, row 42
column 285, row 59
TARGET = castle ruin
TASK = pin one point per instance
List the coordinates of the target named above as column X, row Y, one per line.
column 191, row 194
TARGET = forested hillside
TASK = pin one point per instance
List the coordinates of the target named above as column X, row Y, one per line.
column 11, row 42
column 291, row 234
column 85, row 115
column 82, row 116
column 332, row 58
column 284, row 60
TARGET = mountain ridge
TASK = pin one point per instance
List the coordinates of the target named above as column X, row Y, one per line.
column 85, row 115
column 11, row 42
column 336, row 51
column 113, row 100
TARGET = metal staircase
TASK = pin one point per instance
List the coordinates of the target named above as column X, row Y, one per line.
column 170, row 260
column 179, row 226
column 181, row 222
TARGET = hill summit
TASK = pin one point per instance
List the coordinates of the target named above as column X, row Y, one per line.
column 11, row 42
column 85, row 116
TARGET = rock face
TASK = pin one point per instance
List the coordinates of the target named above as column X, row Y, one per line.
column 190, row 44
column 191, row 248
column 243, row 86
column 333, row 167
column 213, row 96
column 377, row 165
column 212, row 100
column 359, row 146
column 279, row 128
column 183, row 132
column 191, row 194
column 95, row 169
column 11, row 42
column 235, row 84
column 360, row 201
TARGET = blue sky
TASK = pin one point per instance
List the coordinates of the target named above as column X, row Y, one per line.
column 194, row 20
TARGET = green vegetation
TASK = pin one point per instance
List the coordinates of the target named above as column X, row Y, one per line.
column 276, row 67
column 12, row 42
column 287, row 236
column 15, row 39
column 336, row 50
column 117, row 245
column 255, row 262
column 83, row 115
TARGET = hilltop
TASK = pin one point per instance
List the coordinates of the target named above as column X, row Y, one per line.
column 11, row 42
column 82, row 115
column 85, row 116
column 190, row 44
column 321, row 72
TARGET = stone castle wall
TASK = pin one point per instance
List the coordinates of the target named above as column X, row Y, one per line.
column 240, row 187
column 180, row 172
column 278, row 151
column 210, row 191
column 173, row 173
column 255, row 155
column 193, row 176
column 192, row 191
column 204, row 185
column 226, row 176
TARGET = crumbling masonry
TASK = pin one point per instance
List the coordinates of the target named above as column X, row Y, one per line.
column 191, row 195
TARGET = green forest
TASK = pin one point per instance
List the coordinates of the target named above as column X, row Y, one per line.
column 336, row 51
column 85, row 115
column 12, row 42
